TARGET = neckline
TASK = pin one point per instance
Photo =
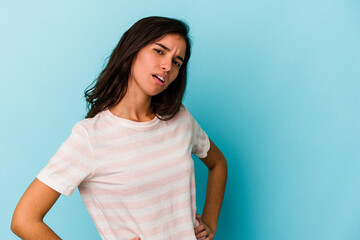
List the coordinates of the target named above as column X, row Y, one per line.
column 131, row 123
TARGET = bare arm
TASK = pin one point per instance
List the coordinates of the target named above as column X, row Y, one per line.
column 216, row 163
column 27, row 221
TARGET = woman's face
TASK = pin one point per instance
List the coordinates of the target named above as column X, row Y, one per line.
column 157, row 65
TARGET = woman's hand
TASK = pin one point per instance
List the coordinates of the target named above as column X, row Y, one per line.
column 202, row 231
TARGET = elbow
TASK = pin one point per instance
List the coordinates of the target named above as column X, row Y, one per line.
column 223, row 168
column 15, row 225
column 221, row 163
column 20, row 224
column 220, row 167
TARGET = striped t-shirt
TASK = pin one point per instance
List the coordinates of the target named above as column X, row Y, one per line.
column 135, row 178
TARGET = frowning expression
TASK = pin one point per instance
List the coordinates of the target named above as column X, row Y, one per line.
column 157, row 65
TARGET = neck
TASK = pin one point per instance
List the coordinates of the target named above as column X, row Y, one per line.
column 135, row 107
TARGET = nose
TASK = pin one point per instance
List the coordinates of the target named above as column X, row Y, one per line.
column 166, row 65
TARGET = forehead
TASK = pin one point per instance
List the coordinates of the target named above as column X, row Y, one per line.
column 175, row 42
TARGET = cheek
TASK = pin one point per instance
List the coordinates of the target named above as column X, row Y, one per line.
column 174, row 75
column 143, row 63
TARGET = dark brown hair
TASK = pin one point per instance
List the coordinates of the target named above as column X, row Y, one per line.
column 111, row 85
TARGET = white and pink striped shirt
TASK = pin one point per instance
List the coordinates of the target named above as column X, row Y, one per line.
column 135, row 178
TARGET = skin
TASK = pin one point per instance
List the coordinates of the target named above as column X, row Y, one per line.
column 27, row 221
column 135, row 106
column 150, row 60
column 215, row 189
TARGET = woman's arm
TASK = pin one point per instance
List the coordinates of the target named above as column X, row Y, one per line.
column 27, row 221
column 216, row 163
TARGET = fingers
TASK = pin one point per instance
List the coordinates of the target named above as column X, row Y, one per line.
column 199, row 228
column 201, row 235
column 205, row 235
column 202, row 231
column 137, row 238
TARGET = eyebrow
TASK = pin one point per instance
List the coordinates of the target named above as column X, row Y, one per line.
column 167, row 49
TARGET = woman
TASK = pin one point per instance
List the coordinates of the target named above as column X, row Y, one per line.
column 131, row 156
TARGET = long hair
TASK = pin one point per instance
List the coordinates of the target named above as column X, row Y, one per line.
column 111, row 85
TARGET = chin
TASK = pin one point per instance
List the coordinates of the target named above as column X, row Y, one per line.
column 154, row 93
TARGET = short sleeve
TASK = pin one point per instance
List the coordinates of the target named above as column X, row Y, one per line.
column 71, row 164
column 200, row 140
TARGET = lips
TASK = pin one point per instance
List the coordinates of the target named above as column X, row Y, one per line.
column 157, row 80
column 161, row 77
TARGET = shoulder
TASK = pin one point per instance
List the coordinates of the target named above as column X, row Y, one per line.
column 187, row 113
column 183, row 112
column 91, row 124
column 183, row 109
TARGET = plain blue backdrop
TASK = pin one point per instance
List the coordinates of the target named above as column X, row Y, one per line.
column 275, row 84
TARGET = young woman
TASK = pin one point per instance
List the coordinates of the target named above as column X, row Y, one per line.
column 131, row 156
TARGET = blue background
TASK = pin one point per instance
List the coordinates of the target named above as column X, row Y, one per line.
column 275, row 84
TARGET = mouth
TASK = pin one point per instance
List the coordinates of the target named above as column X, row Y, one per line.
column 162, row 79
column 158, row 80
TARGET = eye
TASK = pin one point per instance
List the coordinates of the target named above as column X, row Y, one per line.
column 177, row 63
column 158, row 51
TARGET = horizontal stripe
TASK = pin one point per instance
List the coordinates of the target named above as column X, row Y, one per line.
column 135, row 178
